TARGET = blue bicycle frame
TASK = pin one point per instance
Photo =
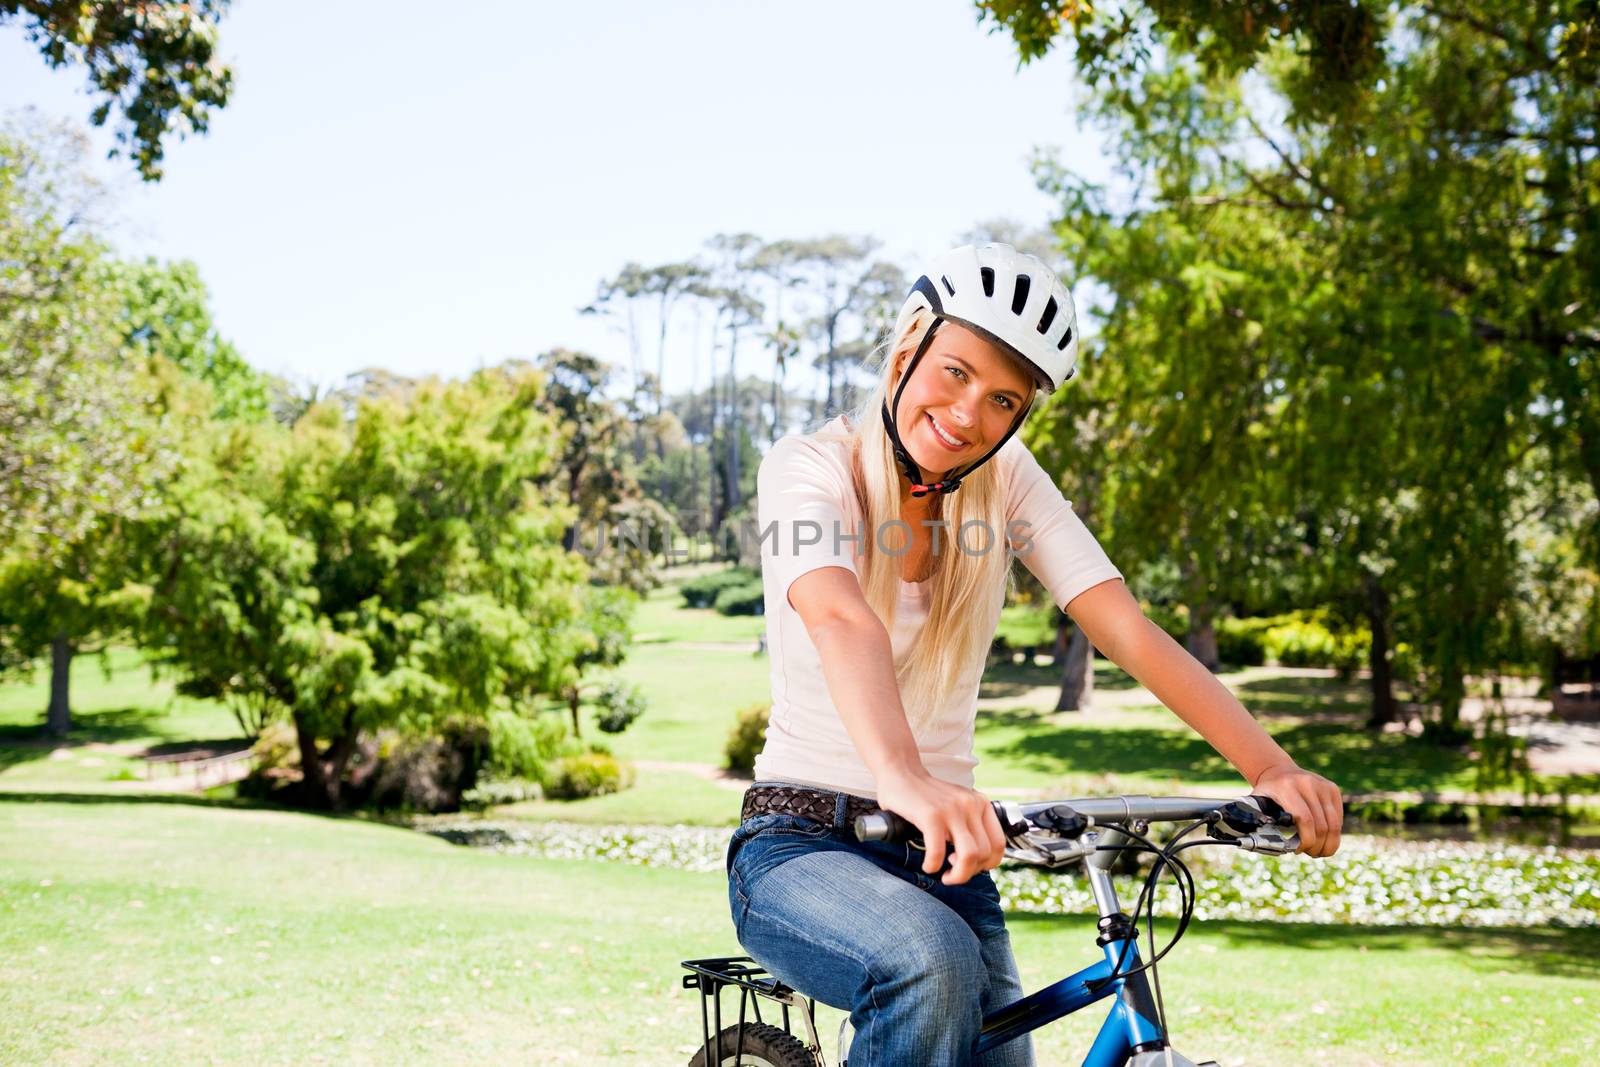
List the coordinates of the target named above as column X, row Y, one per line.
column 1131, row 1027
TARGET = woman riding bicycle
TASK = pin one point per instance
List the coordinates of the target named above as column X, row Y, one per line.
column 883, row 588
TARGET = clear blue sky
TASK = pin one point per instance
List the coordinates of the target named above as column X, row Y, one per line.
column 429, row 189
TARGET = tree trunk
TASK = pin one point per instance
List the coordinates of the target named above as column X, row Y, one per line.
column 832, row 326
column 574, row 701
column 58, row 719
column 315, row 785
column 1077, row 672
column 1383, row 707
column 1452, row 691
column 735, row 421
column 777, row 404
column 661, row 371
column 322, row 773
column 1202, row 639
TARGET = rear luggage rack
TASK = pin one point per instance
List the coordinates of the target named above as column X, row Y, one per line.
column 710, row 976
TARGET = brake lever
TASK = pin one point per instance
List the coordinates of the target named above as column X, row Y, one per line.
column 1054, row 851
column 1269, row 841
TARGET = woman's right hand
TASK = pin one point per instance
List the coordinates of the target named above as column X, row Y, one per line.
column 946, row 813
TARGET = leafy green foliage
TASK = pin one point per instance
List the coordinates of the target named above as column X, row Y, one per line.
column 520, row 746
column 396, row 569
column 165, row 312
column 587, row 774
column 744, row 599
column 1341, row 42
column 619, row 705
column 1350, row 361
column 702, row 592
column 155, row 61
column 747, row 738
column 78, row 439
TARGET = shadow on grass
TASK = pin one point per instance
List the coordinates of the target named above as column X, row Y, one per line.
column 1009, row 680
column 192, row 800
column 1063, row 750
column 107, row 726
column 24, row 744
column 1566, row 953
column 396, row 820
column 1305, row 696
column 1357, row 761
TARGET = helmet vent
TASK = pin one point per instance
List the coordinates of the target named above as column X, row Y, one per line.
column 987, row 273
column 947, row 286
column 1020, row 298
column 1066, row 340
column 1049, row 315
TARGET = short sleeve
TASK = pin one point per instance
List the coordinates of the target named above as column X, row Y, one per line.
column 801, row 519
column 1051, row 540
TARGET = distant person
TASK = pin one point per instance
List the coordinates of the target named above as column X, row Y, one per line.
column 877, row 631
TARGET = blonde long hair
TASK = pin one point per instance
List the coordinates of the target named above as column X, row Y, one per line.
column 968, row 588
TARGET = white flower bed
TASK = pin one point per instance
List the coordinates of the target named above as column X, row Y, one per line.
column 1370, row 881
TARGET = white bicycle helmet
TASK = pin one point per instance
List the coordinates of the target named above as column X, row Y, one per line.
column 1006, row 296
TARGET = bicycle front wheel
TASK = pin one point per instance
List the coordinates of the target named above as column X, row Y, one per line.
column 764, row 1046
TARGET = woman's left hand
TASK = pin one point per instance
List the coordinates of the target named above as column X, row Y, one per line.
column 1315, row 803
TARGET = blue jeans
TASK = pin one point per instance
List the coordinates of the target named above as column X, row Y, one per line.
column 858, row 926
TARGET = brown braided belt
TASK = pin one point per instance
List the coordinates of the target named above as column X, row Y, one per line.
column 797, row 800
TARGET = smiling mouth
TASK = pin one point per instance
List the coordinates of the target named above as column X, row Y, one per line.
column 945, row 437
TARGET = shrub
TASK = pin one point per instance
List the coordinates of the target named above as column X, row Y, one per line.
column 1242, row 642
column 702, row 592
column 620, row 704
column 491, row 791
column 520, row 746
column 588, row 774
column 746, row 599
column 1304, row 639
column 427, row 774
column 748, row 737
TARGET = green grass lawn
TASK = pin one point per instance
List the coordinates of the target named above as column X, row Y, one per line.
column 178, row 933
column 113, row 719
column 165, row 929
column 661, row 616
column 657, row 797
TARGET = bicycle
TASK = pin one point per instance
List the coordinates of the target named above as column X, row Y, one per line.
column 1049, row 834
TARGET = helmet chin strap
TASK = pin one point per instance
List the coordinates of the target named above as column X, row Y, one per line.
column 903, row 457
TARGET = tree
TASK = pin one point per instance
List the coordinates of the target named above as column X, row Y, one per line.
column 778, row 262
column 166, row 311
column 82, row 438
column 844, row 280
column 154, row 61
column 395, row 569
column 612, row 524
column 1426, row 189
column 619, row 299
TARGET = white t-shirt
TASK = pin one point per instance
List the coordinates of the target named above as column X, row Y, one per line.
column 804, row 481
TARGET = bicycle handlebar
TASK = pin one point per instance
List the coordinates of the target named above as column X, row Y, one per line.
column 1249, row 822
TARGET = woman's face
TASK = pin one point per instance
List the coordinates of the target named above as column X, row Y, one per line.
column 962, row 398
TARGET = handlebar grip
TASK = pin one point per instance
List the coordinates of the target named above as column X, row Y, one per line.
column 887, row 826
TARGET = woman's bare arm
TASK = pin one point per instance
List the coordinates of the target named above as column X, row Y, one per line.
column 858, row 665
column 1114, row 623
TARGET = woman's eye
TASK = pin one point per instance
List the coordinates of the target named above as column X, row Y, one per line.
column 961, row 375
